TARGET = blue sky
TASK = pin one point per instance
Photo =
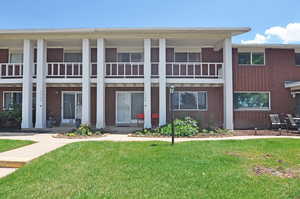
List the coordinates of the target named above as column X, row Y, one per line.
column 260, row 15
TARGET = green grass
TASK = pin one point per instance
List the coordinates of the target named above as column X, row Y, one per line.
column 158, row 170
column 6, row 145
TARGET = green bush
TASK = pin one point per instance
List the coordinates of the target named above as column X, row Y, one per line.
column 183, row 127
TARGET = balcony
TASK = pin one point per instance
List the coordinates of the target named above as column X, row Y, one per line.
column 11, row 70
column 196, row 70
column 129, row 70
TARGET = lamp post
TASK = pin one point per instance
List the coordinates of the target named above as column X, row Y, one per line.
column 172, row 112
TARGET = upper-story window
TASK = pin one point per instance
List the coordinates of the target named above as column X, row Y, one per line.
column 16, row 57
column 130, row 57
column 297, row 59
column 251, row 58
column 187, row 57
column 72, row 57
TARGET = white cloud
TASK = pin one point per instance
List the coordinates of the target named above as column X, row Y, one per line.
column 259, row 39
column 288, row 34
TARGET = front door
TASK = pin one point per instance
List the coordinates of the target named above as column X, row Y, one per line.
column 129, row 104
column 71, row 106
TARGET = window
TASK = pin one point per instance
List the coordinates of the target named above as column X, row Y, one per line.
column 16, row 57
column 297, row 59
column 130, row 57
column 251, row 100
column 12, row 99
column 187, row 57
column 72, row 57
column 252, row 58
column 190, row 100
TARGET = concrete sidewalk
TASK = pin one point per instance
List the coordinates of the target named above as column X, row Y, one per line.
column 46, row 143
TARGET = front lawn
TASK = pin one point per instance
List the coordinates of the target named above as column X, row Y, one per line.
column 6, row 145
column 198, row 169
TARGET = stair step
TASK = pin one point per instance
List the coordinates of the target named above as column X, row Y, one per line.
column 11, row 164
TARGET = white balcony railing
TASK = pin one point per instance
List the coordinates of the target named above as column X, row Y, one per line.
column 120, row 69
column 64, row 70
column 11, row 70
column 124, row 69
column 194, row 70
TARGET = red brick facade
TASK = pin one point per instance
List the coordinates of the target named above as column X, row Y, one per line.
column 279, row 67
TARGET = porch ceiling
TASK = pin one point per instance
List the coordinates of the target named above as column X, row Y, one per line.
column 77, row 43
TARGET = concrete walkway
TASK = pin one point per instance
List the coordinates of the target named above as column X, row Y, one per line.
column 46, row 143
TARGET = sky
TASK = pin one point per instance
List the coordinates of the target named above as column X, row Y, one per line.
column 271, row 21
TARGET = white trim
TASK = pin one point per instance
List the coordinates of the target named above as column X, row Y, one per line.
column 255, row 109
column 68, row 121
column 195, row 92
column 251, row 64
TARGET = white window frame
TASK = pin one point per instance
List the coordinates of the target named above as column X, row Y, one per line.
column 66, row 51
column 130, row 54
column 255, row 109
column 195, row 92
column 15, row 51
column 251, row 52
column 188, row 50
column 11, row 92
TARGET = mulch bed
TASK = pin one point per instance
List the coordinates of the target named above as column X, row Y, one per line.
column 265, row 133
column 77, row 136
column 231, row 134
column 200, row 135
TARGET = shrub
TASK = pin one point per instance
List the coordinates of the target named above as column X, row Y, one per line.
column 84, row 130
column 12, row 117
column 184, row 127
column 215, row 131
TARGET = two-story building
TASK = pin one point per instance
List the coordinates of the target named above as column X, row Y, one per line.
column 106, row 77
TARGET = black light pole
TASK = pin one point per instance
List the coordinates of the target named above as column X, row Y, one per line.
column 172, row 113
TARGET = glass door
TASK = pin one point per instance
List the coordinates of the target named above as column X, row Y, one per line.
column 71, row 107
column 137, row 105
column 123, row 108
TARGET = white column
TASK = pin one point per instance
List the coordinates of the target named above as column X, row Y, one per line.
column 100, row 83
column 41, row 84
column 27, row 84
column 147, row 83
column 162, row 82
column 228, row 88
column 86, row 84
